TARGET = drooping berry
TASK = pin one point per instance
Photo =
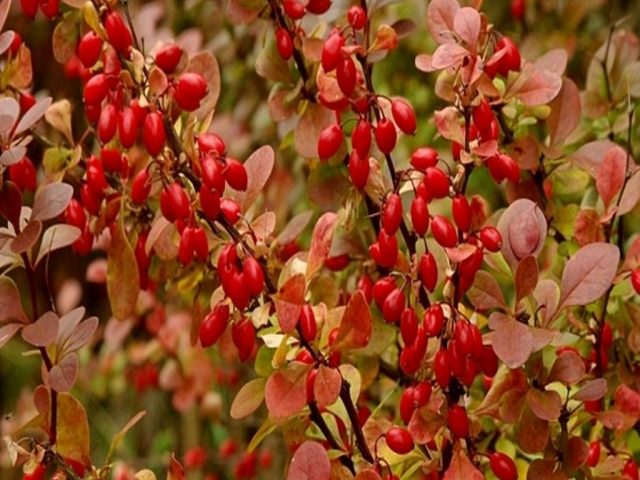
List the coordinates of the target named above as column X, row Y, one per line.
column 23, row 174
column 404, row 116
column 386, row 135
column 428, row 271
column 503, row 466
column 443, row 231
column 153, row 134
column 392, row 214
column 424, row 157
column 357, row 17
column 213, row 325
column 399, row 440
column 89, row 49
column 458, row 421
column 168, row 57
column 491, row 238
column 330, row 141
column 284, row 43
column 118, row 34
column 331, row 54
column 190, row 90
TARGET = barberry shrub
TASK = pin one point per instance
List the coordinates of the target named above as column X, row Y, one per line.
column 430, row 272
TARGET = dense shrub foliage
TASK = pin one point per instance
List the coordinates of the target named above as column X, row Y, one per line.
column 319, row 240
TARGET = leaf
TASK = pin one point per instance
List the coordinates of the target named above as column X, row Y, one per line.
column 448, row 55
column 9, row 109
column 466, row 24
column 176, row 470
column 532, row 433
column 10, row 304
column 56, row 237
column 310, row 462
column 119, row 437
column 425, row 425
column 43, row 332
column 535, row 86
column 286, row 390
column 576, row 452
column 588, row 274
column 523, row 227
column 592, row 390
column 461, row 467
column 289, row 301
column 248, row 398
column 526, row 277
column 80, row 335
column 58, row 115
column 32, row 115
column 63, row 375
column 123, row 282
column 27, row 237
column 21, row 69
column 610, row 176
column 8, row 331
column 311, row 123
column 565, row 112
column 355, row 327
column 547, row 295
column 568, row 368
column 5, row 5
column 243, row 11
column 294, row 228
column 485, row 292
column 511, row 340
column 440, row 17
column 589, row 156
column 327, row 385
column 321, row 242
column 545, row 404
column 145, row 474
column 64, row 38
column 259, row 166
column 51, row 200
column 554, row 61
column 627, row 400
column 448, row 124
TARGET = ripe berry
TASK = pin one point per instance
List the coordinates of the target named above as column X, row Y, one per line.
column 356, row 17
column 153, row 134
column 399, row 440
column 630, row 469
column 243, row 335
column 190, row 90
column 307, row 322
column 392, row 214
column 318, row 7
column 118, row 33
column 594, row 453
column 95, row 89
column 458, row 422
column 230, row 210
column 293, row 8
column 236, row 174
column 511, row 60
column 90, row 200
column 437, row 182
column 168, row 57
column 404, row 116
column 331, row 54
column 635, row 280
column 385, row 135
column 365, row 285
column 346, row 75
column 213, row 176
column 284, row 43
column 127, row 127
column 518, row 8
column 50, row 8
column 330, row 141
column 408, row 325
column 74, row 214
column 210, row 142
column 491, row 238
column 23, row 174
column 420, row 216
column 213, row 325
column 442, row 367
column 141, row 187
column 424, row 157
column 36, row 474
column 29, row 8
column 310, row 384
column 361, row 138
column 174, row 203
column 393, row 306
column 209, row 202
column 95, row 177
column 387, row 250
column 410, row 359
column 503, row 466
column 358, row 170
column 483, row 116
column 89, row 49
column 200, row 244
column 254, row 275
column 428, row 271
column 382, row 288
column 107, row 123
column 112, row 160
column 186, row 247
column 433, row 320
column 443, row 231
column 337, row 263
column 461, row 211
column 502, row 166
column 488, row 361
column 407, row 406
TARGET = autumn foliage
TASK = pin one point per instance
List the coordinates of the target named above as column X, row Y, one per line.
column 319, row 240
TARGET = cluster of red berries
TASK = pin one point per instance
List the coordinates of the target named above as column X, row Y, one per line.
column 50, row 8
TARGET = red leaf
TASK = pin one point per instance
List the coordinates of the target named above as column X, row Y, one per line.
column 289, row 301
column 592, row 390
column 627, row 400
column 448, row 55
column 526, row 277
column 568, row 368
column 259, row 166
column 535, row 86
column 512, row 341
column 425, row 424
column 310, row 462
column 448, row 124
column 51, row 200
column 523, row 228
column 461, row 468
column 321, row 242
column 565, row 112
column 588, row 274
column 312, row 121
column 589, row 156
column 294, row 228
column 42, row 332
column 176, row 470
column 63, row 375
column 532, row 433
column 587, row 228
column 327, row 386
column 286, row 390
column 554, row 61
column 545, row 404
column 485, row 292
column 576, row 452
column 610, row 177
column 10, row 305
column 440, row 16
column 466, row 24
column 355, row 327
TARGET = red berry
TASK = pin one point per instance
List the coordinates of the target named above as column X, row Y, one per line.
column 433, row 320
column 90, row 200
column 404, row 116
column 284, row 43
column 518, row 8
column 230, row 210
column 330, row 141
column 386, row 135
column 361, row 138
column 346, row 75
column 442, row 367
column 23, row 174
column 408, row 325
column 382, row 288
column 141, row 187
column 392, row 214
column 483, row 116
column 168, row 57
column 593, row 457
column 358, row 170
column 95, row 177
column 89, row 49
column 443, row 231
column 318, row 7
column 399, row 440
column 83, row 245
column 174, row 203
column 36, row 474
column 209, row 202
column 407, row 405
column 337, row 263
column 635, row 280
column 458, row 422
column 331, row 51
column 357, row 17
column 420, row 216
column 511, row 59
column 213, row 174
column 293, row 8
column 410, row 359
column 488, row 361
column 310, row 384
column 606, row 339
column 236, row 174
column 503, row 466
column 29, row 8
column 461, row 211
column 422, row 393
column 127, row 127
column 210, row 142
column 365, row 285
column 502, row 166
column 107, row 123
column 307, row 322
column 437, row 182
column 213, row 325
column 96, row 89
column 74, row 214
column 190, row 90
column 243, row 335
column 424, row 157
column 393, row 306
column 50, row 8
column 186, row 247
column 153, row 134
column 200, row 244
column 630, row 469
column 428, row 271
column 385, row 250
column 491, row 238
column 254, row 275
column 118, row 34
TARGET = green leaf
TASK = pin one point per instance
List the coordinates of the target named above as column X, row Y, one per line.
column 248, row 399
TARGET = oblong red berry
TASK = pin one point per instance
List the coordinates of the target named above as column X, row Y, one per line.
column 424, row 157
column 392, row 214
column 346, row 75
column 404, row 116
column 491, row 238
column 127, row 127
column 153, row 134
column 428, row 271
column 331, row 54
column 214, row 325
column 386, row 135
column 118, row 34
column 107, row 123
column 461, row 211
column 254, row 275
column 503, row 466
column 420, row 216
column 236, row 174
column 330, row 141
column 96, row 89
column 190, row 90
column 284, row 43
column 141, row 187
column 358, row 170
column 442, row 367
column 168, row 57
column 458, row 421
column 443, row 231
column 307, row 322
column 361, row 138
column 89, row 49
column 399, row 440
